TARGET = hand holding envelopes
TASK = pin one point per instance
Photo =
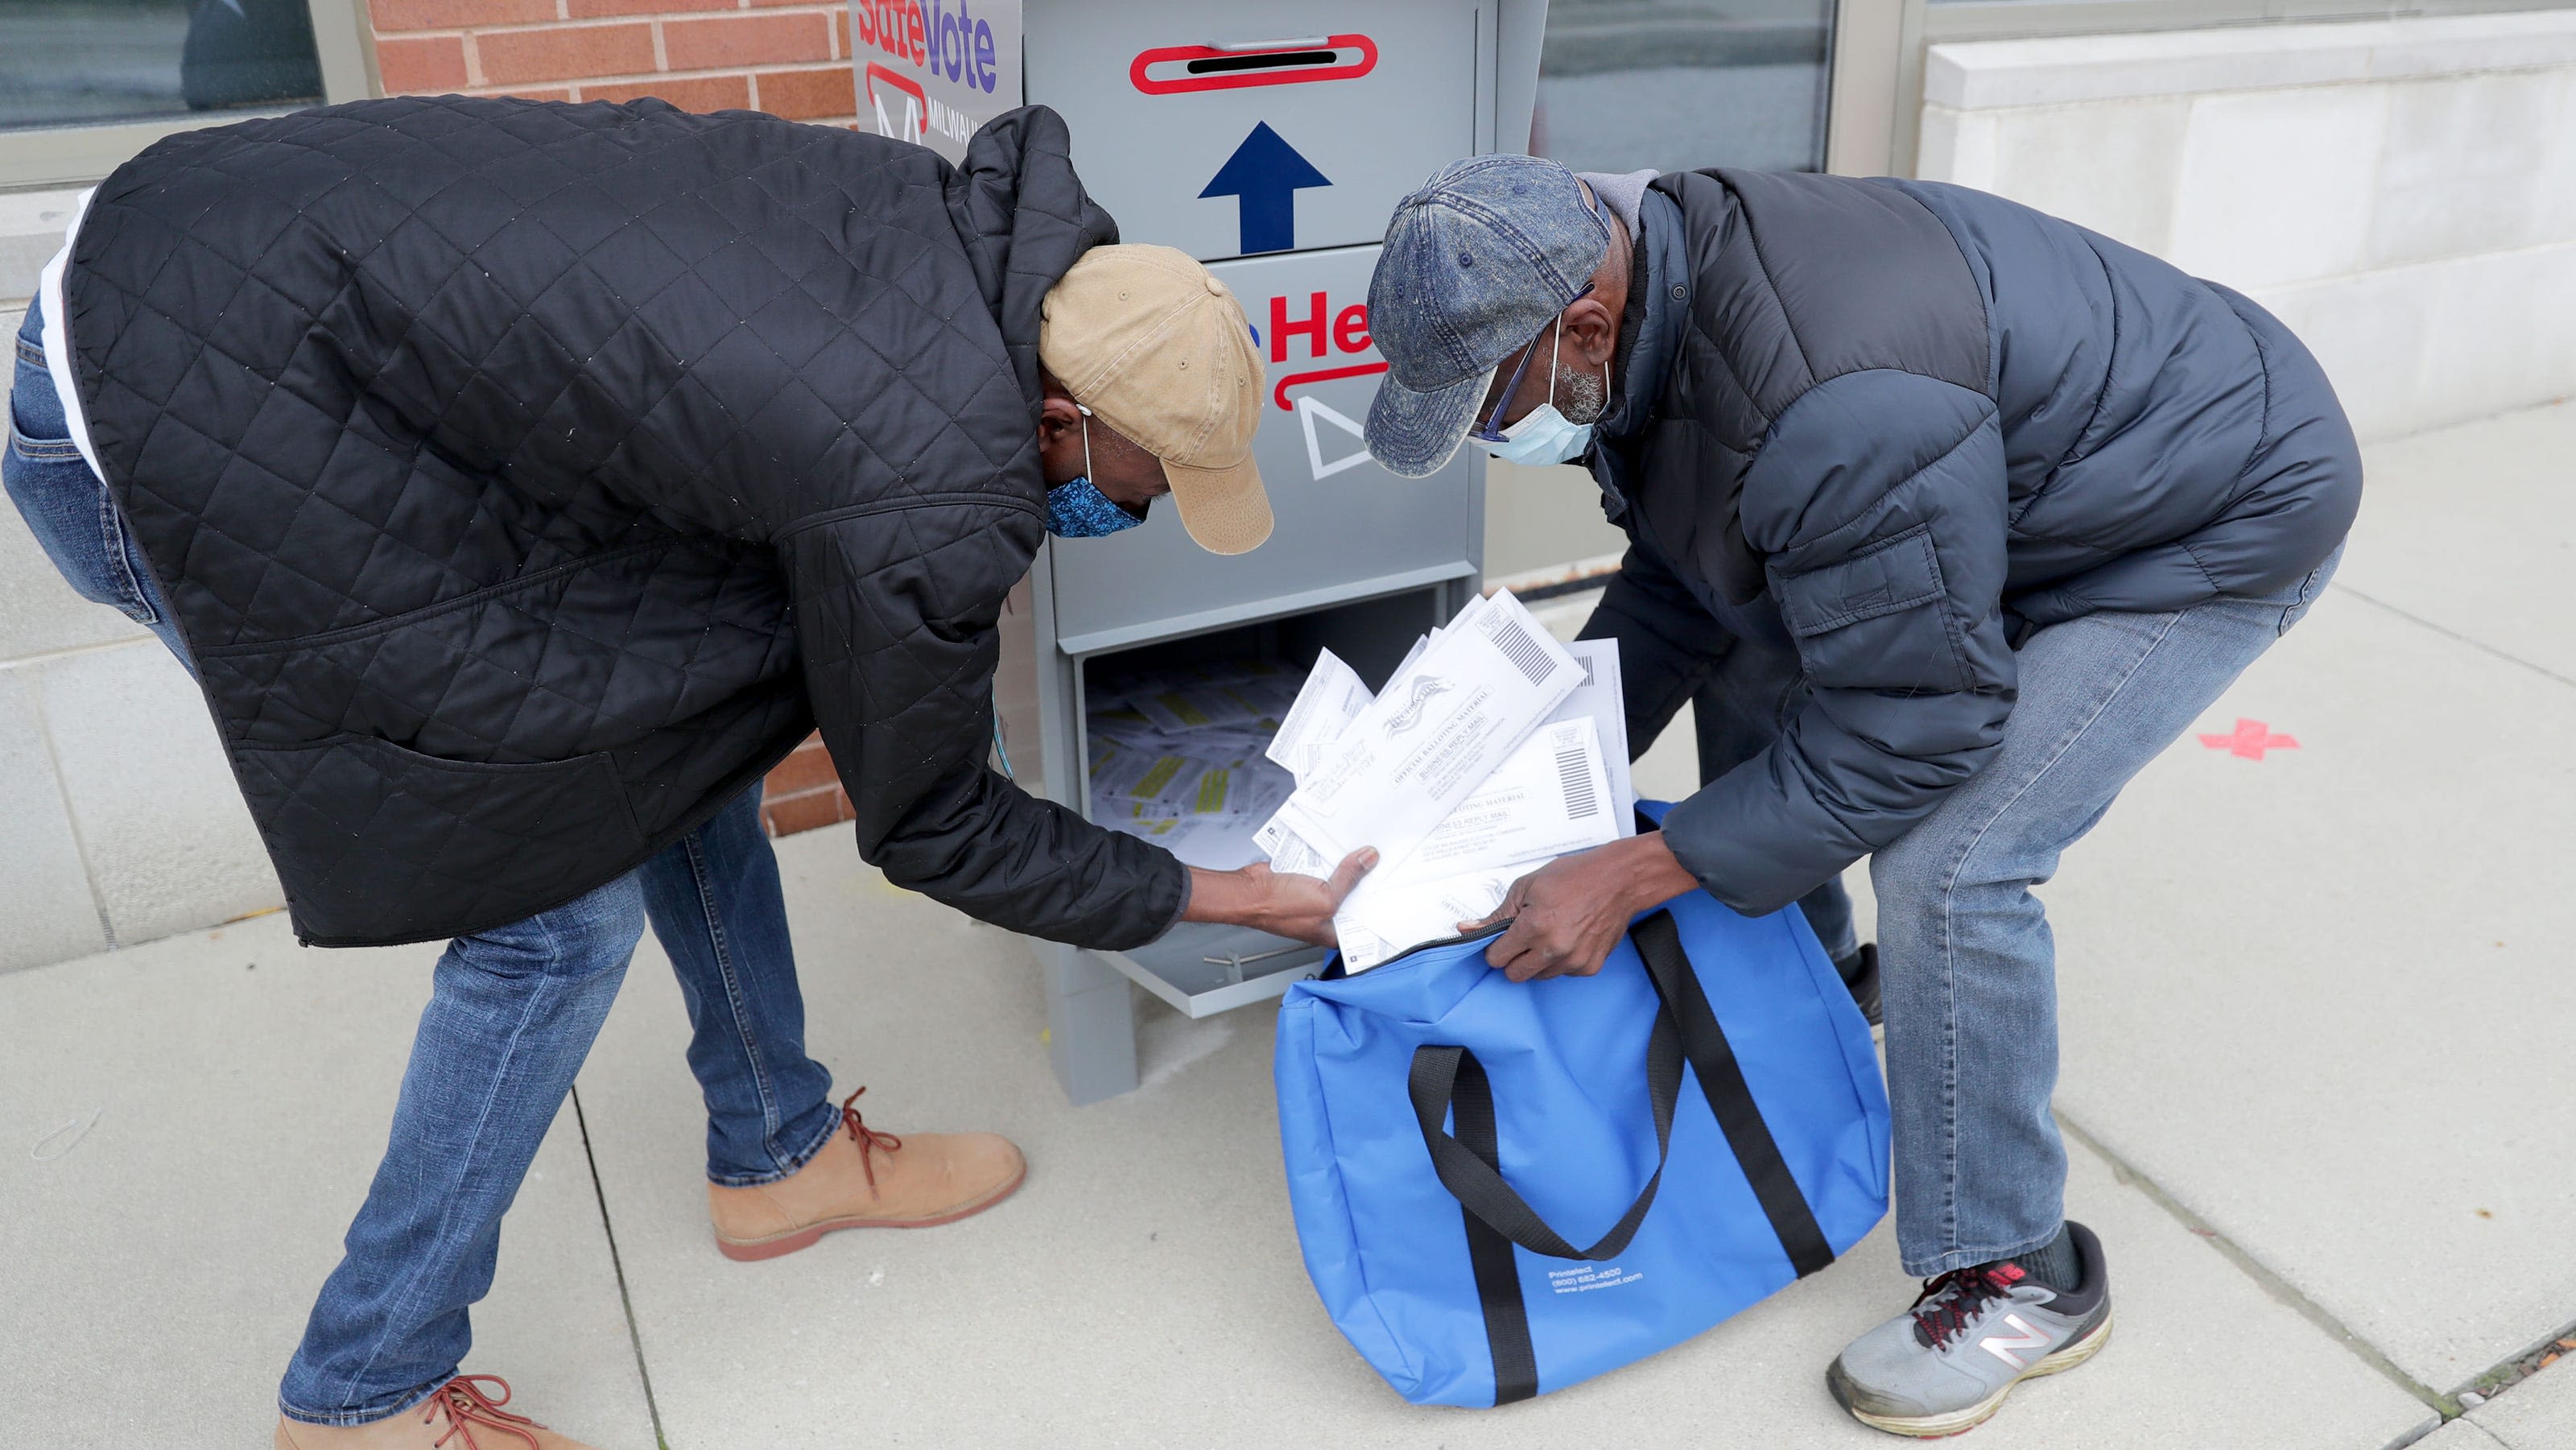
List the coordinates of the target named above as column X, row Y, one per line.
column 1561, row 786
column 1430, row 738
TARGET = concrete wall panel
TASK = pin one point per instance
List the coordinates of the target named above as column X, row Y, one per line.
column 2276, row 186
column 2401, row 192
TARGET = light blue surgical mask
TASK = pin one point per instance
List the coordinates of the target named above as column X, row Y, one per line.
column 1546, row 435
column 1077, row 509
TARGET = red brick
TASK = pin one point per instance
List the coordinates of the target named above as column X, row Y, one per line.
column 693, row 93
column 806, row 811
column 534, row 93
column 810, row 768
column 841, row 34
column 456, row 14
column 566, row 53
column 746, row 40
column 590, row 9
column 428, row 65
column 802, row 95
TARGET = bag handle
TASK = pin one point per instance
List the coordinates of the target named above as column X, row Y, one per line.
column 1721, row 1081
column 1449, row 1079
column 1446, row 1079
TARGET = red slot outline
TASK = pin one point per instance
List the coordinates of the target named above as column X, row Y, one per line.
column 1227, row 82
column 1279, row 394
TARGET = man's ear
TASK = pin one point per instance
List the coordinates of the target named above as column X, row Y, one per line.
column 1057, row 416
column 1591, row 333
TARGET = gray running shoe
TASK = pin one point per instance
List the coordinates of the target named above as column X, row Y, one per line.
column 1946, row 1364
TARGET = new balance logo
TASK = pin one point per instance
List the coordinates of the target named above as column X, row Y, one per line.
column 2007, row 1347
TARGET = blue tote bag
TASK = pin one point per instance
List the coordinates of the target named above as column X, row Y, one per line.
column 1506, row 1188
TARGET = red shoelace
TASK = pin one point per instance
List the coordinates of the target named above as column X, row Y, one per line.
column 468, row 1407
column 1949, row 1301
column 870, row 1141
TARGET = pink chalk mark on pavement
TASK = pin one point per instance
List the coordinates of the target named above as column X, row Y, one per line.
column 2250, row 740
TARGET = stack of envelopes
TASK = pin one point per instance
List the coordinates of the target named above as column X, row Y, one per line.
column 1492, row 749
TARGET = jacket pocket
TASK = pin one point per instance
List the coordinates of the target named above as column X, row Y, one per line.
column 1875, row 621
column 378, row 844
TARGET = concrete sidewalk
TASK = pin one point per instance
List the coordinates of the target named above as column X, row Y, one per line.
column 2316, row 1012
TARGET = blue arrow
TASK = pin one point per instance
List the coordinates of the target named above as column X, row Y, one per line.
column 1266, row 173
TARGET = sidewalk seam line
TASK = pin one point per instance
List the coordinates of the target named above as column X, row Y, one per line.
column 2447, row 632
column 73, row 651
column 2272, row 1284
column 616, row 1262
column 71, row 816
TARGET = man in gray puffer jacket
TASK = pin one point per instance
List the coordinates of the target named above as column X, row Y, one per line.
column 2012, row 503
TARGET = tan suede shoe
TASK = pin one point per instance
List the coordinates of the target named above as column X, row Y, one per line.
column 461, row 1416
column 866, row 1179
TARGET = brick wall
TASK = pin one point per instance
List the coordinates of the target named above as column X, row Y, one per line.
column 804, row 793
column 785, row 57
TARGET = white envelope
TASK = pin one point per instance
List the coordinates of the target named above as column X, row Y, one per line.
column 1550, row 796
column 1374, row 926
column 1431, row 737
column 1600, row 697
column 1333, row 696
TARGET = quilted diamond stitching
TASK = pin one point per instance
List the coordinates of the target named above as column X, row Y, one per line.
column 538, row 334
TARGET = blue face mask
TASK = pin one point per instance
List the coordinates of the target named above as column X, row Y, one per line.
column 1545, row 435
column 1078, row 510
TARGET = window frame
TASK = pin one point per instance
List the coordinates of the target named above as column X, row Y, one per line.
column 76, row 155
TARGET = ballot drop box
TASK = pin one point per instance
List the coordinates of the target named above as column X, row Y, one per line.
column 1271, row 141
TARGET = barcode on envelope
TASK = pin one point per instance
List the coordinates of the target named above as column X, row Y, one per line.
column 1574, row 776
column 1520, row 649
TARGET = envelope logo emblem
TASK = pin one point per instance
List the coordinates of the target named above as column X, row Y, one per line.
column 1411, row 715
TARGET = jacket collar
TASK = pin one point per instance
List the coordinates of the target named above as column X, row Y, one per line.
column 1648, row 331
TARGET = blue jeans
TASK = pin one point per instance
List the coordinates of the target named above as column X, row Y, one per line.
column 1739, row 710
column 1967, row 961
column 511, row 1015
column 66, row 507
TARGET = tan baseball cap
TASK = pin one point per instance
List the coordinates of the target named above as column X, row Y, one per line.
column 1156, row 347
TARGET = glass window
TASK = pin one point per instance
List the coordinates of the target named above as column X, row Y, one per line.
column 1675, row 85
column 93, row 62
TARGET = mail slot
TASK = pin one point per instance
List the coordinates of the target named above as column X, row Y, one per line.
column 1271, row 141
column 1295, row 126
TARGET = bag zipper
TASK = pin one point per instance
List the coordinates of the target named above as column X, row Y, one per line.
column 1487, row 933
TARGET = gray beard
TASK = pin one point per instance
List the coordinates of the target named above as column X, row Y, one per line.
column 1586, row 397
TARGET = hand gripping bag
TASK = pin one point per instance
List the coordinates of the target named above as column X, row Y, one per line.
column 1506, row 1188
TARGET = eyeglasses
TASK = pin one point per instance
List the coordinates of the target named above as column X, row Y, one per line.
column 1491, row 430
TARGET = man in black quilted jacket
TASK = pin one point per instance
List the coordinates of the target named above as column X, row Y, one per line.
column 522, row 482
column 2007, row 504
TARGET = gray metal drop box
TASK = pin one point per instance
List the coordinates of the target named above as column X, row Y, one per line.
column 1271, row 141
